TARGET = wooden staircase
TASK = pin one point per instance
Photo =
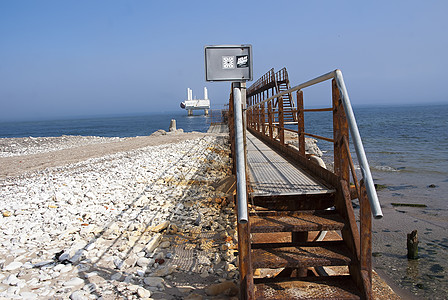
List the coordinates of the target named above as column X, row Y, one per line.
column 281, row 85
column 284, row 244
column 304, row 243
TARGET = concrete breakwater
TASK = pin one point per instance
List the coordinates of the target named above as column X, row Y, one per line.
column 145, row 223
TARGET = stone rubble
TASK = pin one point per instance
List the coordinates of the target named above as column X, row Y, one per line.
column 145, row 223
column 33, row 145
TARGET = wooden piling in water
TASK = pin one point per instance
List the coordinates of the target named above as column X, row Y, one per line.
column 412, row 244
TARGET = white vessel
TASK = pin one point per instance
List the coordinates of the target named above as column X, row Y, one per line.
column 195, row 104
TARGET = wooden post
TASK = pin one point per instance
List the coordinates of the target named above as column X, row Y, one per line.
column 281, row 121
column 262, row 119
column 340, row 129
column 301, row 123
column 365, row 215
column 412, row 245
column 271, row 132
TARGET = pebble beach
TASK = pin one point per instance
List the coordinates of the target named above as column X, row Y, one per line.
column 116, row 218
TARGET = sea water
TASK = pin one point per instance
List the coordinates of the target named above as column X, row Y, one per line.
column 117, row 126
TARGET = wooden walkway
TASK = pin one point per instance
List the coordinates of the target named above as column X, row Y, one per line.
column 271, row 174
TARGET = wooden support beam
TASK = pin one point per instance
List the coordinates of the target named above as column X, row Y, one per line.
column 366, row 240
column 301, row 123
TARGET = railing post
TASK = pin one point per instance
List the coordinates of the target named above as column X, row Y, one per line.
column 271, row 133
column 365, row 215
column 340, row 129
column 244, row 247
column 262, row 118
column 281, row 121
column 301, row 123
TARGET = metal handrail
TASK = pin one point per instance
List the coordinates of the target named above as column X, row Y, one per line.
column 359, row 148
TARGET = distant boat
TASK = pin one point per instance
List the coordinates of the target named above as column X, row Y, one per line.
column 195, row 104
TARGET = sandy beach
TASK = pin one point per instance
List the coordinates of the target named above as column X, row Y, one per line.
column 89, row 218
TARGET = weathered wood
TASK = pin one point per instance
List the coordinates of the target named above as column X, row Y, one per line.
column 262, row 119
column 352, row 168
column 366, row 240
column 270, row 121
column 281, row 120
column 358, row 242
column 294, row 202
column 340, row 130
column 301, row 123
column 412, row 244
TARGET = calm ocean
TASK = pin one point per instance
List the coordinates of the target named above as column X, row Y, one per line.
column 128, row 126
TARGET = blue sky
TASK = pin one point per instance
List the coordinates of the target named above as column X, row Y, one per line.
column 78, row 58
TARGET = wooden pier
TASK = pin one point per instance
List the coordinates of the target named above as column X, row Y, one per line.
column 301, row 221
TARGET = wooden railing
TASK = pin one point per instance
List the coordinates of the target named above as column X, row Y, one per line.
column 265, row 119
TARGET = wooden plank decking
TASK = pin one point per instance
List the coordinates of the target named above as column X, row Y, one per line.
column 271, row 174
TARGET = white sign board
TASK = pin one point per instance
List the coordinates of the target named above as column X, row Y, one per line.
column 228, row 63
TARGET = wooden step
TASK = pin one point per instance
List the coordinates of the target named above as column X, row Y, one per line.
column 303, row 255
column 328, row 287
column 294, row 202
column 295, row 221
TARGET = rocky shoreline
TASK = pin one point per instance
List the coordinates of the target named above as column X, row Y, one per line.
column 150, row 222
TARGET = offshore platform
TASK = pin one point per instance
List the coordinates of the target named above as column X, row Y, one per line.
column 196, row 104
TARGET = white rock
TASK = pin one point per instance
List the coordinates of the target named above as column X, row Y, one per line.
column 90, row 287
column 165, row 244
column 66, row 269
column 44, row 277
column 11, row 280
column 73, row 282
column 154, row 281
column 90, row 246
column 78, row 295
column 58, row 267
column 28, row 295
column 13, row 266
column 12, row 291
column 143, row 261
column 153, row 243
column 143, row 293
column 91, row 274
column 33, row 281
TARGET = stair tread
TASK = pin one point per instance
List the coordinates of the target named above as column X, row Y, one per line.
column 313, row 254
column 296, row 221
column 328, row 287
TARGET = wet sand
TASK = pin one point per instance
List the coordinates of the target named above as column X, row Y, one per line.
column 425, row 277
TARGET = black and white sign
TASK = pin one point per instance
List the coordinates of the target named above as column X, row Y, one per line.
column 242, row 61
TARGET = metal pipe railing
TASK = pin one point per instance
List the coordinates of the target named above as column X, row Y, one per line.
column 359, row 148
column 240, row 161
